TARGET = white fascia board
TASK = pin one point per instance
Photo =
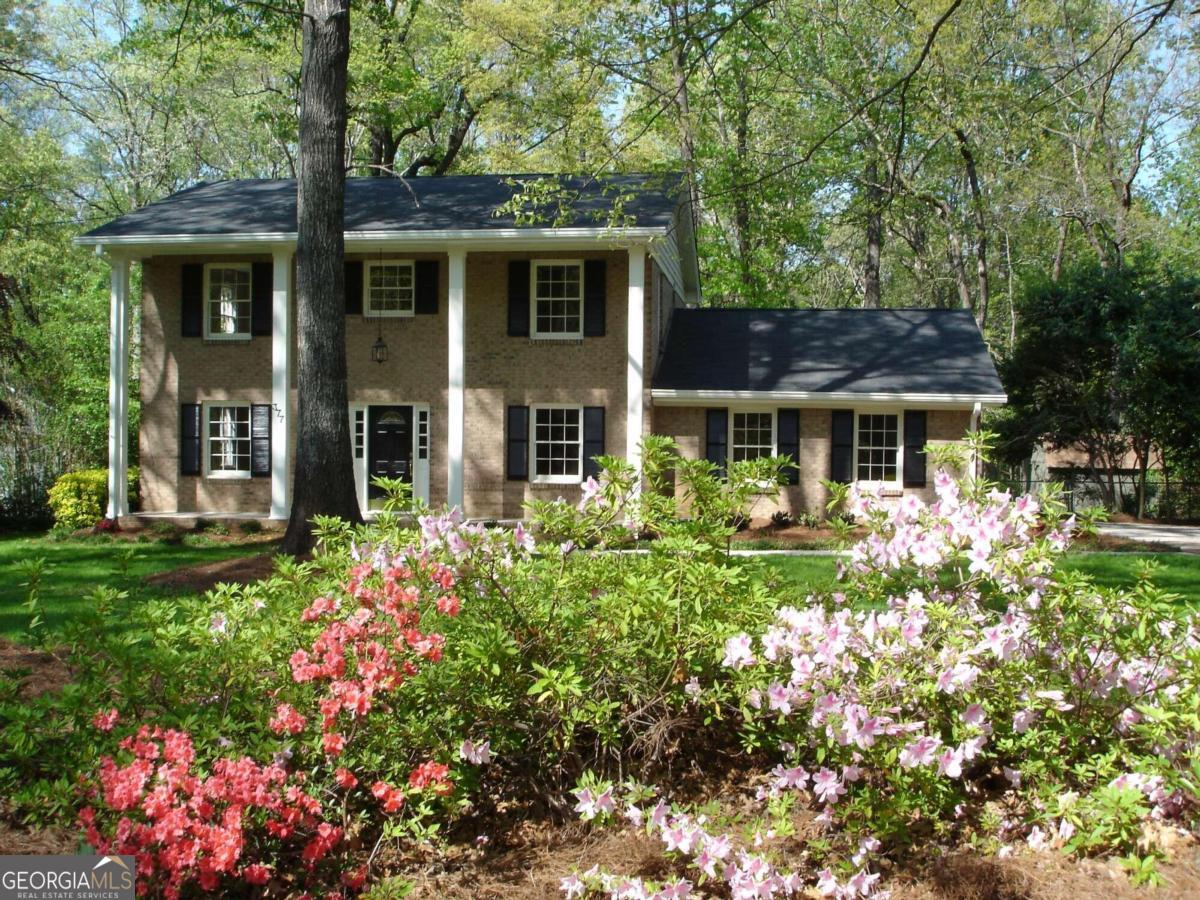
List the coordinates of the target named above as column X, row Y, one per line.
column 467, row 238
column 667, row 397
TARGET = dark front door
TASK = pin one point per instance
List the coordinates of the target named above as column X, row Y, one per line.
column 389, row 445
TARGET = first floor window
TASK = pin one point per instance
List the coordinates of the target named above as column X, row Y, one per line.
column 229, row 440
column 557, row 444
column 753, row 435
column 390, row 288
column 228, row 301
column 878, row 443
column 557, row 299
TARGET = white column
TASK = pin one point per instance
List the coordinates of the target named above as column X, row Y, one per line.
column 118, row 389
column 456, row 401
column 635, row 351
column 281, row 366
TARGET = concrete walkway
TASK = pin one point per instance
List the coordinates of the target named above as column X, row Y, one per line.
column 1182, row 537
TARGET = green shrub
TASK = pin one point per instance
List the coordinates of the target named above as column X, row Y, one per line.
column 79, row 499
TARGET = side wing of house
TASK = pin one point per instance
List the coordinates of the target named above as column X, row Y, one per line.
column 851, row 395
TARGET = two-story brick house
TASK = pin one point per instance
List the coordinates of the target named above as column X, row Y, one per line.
column 489, row 361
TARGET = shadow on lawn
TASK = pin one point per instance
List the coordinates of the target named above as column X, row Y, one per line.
column 76, row 568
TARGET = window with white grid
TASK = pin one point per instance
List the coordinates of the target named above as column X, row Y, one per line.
column 229, row 440
column 753, row 435
column 558, row 299
column 557, row 443
column 228, row 301
column 389, row 286
column 878, row 443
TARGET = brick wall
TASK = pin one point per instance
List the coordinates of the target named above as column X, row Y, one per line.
column 686, row 425
column 500, row 370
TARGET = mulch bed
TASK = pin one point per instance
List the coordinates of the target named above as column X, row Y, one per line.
column 204, row 577
column 42, row 671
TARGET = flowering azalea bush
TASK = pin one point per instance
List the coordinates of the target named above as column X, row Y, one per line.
column 953, row 684
column 953, row 665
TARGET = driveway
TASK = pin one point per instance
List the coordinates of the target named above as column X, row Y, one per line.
column 1183, row 537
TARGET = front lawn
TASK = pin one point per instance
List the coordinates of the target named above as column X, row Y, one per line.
column 76, row 567
column 1176, row 572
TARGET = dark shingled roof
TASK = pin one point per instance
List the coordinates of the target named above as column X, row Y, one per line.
column 856, row 351
column 258, row 206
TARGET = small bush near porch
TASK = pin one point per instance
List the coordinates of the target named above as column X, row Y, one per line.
column 410, row 694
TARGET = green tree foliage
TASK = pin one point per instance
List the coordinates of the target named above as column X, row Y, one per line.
column 1108, row 361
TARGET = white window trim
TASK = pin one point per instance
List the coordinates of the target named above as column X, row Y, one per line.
column 224, row 475
column 237, row 335
column 534, row 478
column 770, row 410
column 898, row 412
column 534, row 334
column 387, row 313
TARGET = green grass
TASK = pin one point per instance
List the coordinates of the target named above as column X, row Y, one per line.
column 76, row 567
column 1176, row 572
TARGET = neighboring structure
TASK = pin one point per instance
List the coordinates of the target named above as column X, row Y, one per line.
column 1088, row 480
column 514, row 353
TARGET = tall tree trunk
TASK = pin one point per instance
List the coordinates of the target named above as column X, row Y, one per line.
column 324, row 479
column 677, row 16
column 981, row 237
column 1060, row 249
column 872, row 287
column 741, row 200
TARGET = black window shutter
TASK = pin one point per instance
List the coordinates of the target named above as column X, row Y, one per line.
column 716, row 437
column 593, row 439
column 787, row 433
column 518, row 297
column 189, row 439
column 261, row 289
column 841, row 447
column 260, row 440
column 517, row 429
column 595, row 293
column 426, row 273
column 354, row 288
column 914, row 448
column 191, row 299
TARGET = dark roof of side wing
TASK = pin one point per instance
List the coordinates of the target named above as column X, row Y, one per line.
column 854, row 351
column 427, row 203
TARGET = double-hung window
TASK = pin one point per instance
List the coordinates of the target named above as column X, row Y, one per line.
column 228, row 441
column 753, row 435
column 557, row 446
column 878, row 441
column 557, row 299
column 227, row 301
column 389, row 287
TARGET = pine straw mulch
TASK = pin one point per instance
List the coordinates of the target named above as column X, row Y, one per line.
column 531, row 864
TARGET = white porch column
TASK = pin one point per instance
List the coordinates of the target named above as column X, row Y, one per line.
column 456, row 402
column 635, row 351
column 281, row 366
column 118, row 389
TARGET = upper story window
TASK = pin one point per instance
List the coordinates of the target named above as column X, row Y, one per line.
column 878, row 447
column 557, row 446
column 389, row 287
column 753, row 435
column 227, row 301
column 557, row 299
column 228, row 441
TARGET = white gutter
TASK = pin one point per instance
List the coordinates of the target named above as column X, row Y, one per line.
column 472, row 236
column 670, row 397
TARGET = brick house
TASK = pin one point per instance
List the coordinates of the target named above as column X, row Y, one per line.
column 489, row 360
